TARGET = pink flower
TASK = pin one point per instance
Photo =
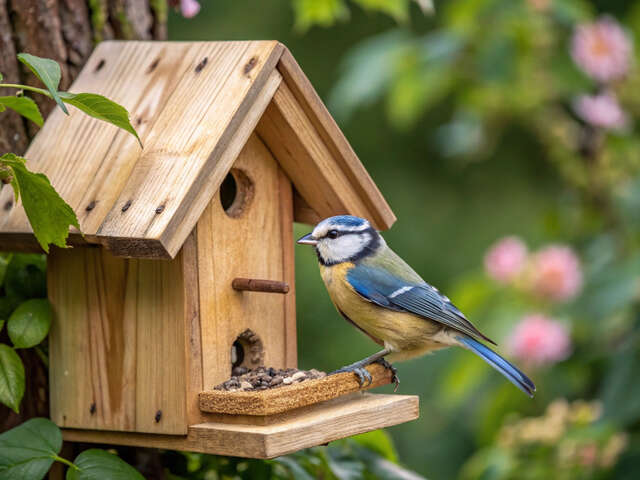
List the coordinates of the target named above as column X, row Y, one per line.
column 505, row 259
column 539, row 340
column 601, row 111
column 189, row 8
column 556, row 273
column 602, row 49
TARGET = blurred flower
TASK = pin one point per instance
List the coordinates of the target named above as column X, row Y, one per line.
column 556, row 273
column 505, row 259
column 601, row 110
column 189, row 8
column 602, row 49
column 539, row 340
column 539, row 5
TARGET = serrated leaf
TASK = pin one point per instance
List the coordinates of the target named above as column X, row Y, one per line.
column 25, row 107
column 96, row 464
column 101, row 108
column 11, row 380
column 48, row 71
column 48, row 214
column 28, row 450
column 29, row 324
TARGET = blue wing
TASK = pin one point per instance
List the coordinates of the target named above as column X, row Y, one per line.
column 387, row 290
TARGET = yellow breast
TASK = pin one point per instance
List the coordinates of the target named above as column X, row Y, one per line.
column 400, row 331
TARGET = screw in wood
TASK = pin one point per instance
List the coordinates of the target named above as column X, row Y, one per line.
column 201, row 65
column 160, row 209
column 126, row 206
column 92, row 408
column 158, row 416
column 91, row 206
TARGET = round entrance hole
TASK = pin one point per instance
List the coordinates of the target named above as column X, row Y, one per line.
column 247, row 351
column 236, row 192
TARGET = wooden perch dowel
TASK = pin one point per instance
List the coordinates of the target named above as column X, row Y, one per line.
column 257, row 285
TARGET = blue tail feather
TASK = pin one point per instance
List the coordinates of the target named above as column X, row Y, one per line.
column 511, row 373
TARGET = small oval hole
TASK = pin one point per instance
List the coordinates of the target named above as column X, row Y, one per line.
column 236, row 193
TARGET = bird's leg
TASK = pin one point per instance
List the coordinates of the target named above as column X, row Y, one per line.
column 395, row 379
column 359, row 367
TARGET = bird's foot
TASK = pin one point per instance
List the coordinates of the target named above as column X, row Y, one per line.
column 364, row 377
column 394, row 371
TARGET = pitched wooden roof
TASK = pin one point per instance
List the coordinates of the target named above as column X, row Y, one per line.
column 194, row 104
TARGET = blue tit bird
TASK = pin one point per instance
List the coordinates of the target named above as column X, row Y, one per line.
column 375, row 290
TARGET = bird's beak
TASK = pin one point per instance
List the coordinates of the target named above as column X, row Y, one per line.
column 308, row 240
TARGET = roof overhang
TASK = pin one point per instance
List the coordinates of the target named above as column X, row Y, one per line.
column 194, row 105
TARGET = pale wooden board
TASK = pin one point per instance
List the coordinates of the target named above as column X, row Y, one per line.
column 285, row 192
column 188, row 118
column 190, row 134
column 88, row 160
column 92, row 348
column 117, row 341
column 379, row 212
column 289, row 397
column 317, row 425
column 249, row 246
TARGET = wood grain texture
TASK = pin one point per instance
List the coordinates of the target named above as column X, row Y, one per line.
column 117, row 348
column 194, row 105
column 181, row 160
column 189, row 103
column 325, row 422
column 380, row 213
column 224, row 244
column 289, row 397
column 285, row 193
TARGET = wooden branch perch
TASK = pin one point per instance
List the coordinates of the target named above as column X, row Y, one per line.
column 257, row 285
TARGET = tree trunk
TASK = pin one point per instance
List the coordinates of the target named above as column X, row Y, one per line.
column 65, row 31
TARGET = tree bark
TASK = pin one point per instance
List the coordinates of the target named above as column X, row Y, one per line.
column 65, row 31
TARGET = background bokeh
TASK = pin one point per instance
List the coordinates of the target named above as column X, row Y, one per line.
column 470, row 121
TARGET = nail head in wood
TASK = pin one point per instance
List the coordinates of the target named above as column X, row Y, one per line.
column 92, row 408
column 158, row 416
column 202, row 64
column 126, row 206
column 258, row 285
column 91, row 206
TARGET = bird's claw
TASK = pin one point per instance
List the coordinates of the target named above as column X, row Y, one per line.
column 395, row 379
column 364, row 377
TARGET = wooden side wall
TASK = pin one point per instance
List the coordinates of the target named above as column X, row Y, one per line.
column 117, row 343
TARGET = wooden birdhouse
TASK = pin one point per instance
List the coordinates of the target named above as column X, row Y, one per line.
column 150, row 306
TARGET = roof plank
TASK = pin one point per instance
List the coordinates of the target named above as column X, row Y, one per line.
column 190, row 135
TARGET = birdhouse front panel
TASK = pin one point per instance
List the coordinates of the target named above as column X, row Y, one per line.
column 247, row 231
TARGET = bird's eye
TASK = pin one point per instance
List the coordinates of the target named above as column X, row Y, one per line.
column 332, row 234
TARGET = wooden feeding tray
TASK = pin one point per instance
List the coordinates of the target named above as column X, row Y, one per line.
column 278, row 421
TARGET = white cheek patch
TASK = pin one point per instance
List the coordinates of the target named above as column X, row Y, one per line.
column 342, row 248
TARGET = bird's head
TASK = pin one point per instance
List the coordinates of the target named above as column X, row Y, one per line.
column 344, row 238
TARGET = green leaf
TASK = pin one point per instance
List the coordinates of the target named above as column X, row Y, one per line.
column 48, row 71
column 379, row 441
column 101, row 108
column 5, row 259
column 48, row 213
column 96, row 464
column 25, row 107
column 28, row 450
column 29, row 324
column 11, row 381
